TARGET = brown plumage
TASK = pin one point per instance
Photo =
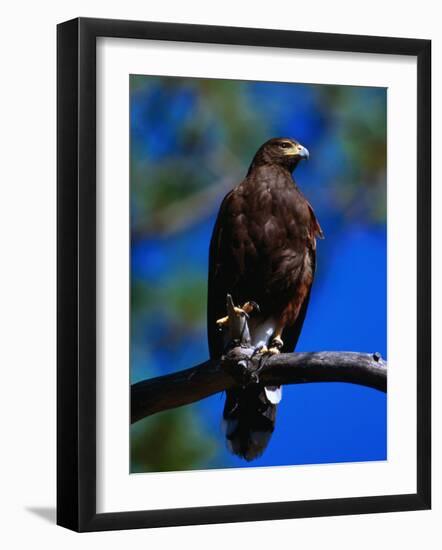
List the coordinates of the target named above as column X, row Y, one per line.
column 263, row 249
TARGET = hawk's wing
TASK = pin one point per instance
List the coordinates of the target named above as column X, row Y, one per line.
column 291, row 333
column 218, row 283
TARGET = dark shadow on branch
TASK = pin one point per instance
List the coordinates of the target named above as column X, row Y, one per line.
column 190, row 385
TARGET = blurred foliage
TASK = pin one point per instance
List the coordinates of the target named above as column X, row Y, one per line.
column 172, row 440
column 191, row 140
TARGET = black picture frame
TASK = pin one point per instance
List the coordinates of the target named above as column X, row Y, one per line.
column 76, row 273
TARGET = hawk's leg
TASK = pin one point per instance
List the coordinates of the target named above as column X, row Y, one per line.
column 276, row 342
column 234, row 324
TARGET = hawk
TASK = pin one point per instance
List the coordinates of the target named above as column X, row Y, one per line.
column 263, row 254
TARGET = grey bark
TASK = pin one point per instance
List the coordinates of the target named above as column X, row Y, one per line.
column 241, row 367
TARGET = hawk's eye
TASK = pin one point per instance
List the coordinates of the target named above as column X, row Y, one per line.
column 285, row 145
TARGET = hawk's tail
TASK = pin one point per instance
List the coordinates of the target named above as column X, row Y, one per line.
column 249, row 419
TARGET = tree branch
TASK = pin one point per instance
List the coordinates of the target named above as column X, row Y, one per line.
column 239, row 368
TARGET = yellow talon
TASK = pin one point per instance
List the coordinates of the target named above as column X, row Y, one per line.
column 277, row 342
column 248, row 307
column 222, row 321
column 238, row 311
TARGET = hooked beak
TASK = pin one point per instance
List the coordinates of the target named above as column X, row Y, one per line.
column 303, row 152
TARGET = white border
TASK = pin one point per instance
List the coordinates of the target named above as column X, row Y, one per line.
column 116, row 489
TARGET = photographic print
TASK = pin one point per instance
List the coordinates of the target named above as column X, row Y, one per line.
column 258, row 223
column 223, row 288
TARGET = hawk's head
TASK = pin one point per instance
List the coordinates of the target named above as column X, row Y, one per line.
column 285, row 152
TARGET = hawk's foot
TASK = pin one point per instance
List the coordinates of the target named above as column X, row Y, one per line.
column 261, row 349
column 276, row 345
column 235, row 311
column 222, row 321
column 250, row 307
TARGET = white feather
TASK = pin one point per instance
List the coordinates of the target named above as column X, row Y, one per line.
column 273, row 394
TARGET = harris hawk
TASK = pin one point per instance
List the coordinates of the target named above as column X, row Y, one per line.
column 262, row 254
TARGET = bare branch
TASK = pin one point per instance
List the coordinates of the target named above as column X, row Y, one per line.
column 237, row 368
